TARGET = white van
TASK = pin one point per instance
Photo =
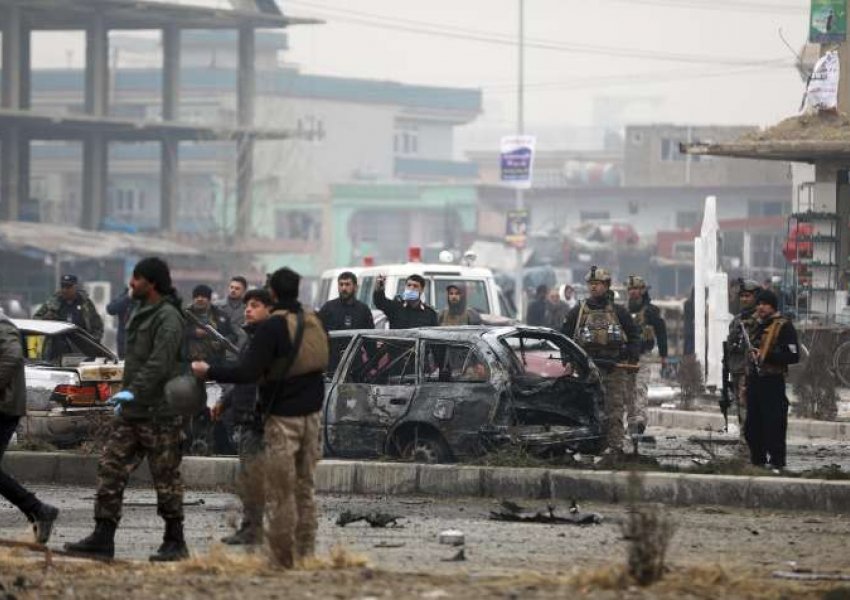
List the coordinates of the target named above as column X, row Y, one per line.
column 482, row 293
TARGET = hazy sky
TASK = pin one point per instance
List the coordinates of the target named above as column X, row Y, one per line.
column 578, row 51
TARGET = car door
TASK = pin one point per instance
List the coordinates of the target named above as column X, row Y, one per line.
column 375, row 390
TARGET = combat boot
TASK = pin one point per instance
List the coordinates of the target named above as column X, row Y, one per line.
column 248, row 534
column 42, row 522
column 173, row 547
column 100, row 543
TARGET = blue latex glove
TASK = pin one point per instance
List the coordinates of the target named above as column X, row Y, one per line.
column 119, row 399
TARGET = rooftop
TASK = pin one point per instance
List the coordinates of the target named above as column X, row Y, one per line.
column 146, row 14
column 804, row 138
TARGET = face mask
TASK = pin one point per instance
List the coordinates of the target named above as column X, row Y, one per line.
column 410, row 296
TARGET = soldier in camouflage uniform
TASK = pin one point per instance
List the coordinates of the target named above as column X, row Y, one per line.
column 144, row 427
column 610, row 337
column 736, row 352
column 72, row 305
column 653, row 329
column 200, row 344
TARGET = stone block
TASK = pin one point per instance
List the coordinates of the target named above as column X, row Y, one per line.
column 386, row 478
column 449, row 480
column 336, row 477
column 503, row 482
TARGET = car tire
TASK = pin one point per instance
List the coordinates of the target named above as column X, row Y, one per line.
column 427, row 448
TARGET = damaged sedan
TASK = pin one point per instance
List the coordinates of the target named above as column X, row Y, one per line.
column 452, row 393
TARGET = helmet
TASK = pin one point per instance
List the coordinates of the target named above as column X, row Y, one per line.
column 185, row 395
column 598, row 274
column 635, row 282
column 748, row 285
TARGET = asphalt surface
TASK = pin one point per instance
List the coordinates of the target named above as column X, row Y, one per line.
column 744, row 538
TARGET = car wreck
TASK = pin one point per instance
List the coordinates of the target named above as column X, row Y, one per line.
column 452, row 393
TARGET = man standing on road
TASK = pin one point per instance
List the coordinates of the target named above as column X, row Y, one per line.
column 457, row 312
column 344, row 312
column 736, row 353
column 556, row 310
column 287, row 357
column 409, row 311
column 120, row 308
column 536, row 312
column 72, row 305
column 610, row 337
column 13, row 405
column 144, row 427
column 233, row 306
column 653, row 329
column 774, row 348
column 242, row 400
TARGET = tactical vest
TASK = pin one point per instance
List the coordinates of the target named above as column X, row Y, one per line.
column 599, row 333
column 737, row 347
column 647, row 331
column 313, row 354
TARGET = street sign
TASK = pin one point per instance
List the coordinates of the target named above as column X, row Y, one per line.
column 517, row 157
column 516, row 230
column 828, row 22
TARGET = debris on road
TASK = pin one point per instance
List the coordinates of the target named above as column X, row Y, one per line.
column 50, row 552
column 810, row 576
column 512, row 512
column 459, row 557
column 452, row 537
column 374, row 518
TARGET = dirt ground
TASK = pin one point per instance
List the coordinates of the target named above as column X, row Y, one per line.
column 715, row 553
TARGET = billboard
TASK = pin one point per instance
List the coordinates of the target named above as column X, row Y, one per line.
column 517, row 158
column 828, row 21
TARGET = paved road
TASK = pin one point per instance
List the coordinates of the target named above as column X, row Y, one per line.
column 705, row 535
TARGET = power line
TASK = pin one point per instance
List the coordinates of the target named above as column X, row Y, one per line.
column 471, row 35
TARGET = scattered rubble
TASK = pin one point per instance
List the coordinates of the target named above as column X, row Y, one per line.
column 517, row 514
column 374, row 518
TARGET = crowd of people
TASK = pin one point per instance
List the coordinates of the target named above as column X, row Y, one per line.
column 272, row 353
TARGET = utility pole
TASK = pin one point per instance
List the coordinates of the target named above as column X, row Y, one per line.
column 844, row 71
column 520, row 118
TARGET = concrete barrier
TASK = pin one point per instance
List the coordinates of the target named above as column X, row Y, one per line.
column 561, row 485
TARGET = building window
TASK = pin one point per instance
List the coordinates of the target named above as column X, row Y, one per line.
column 687, row 219
column 770, row 208
column 594, row 215
column 406, row 139
column 298, row 225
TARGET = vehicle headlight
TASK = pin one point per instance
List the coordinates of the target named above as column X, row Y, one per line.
column 444, row 409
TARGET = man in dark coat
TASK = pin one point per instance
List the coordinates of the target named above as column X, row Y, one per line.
column 409, row 311
column 73, row 305
column 13, row 405
column 774, row 348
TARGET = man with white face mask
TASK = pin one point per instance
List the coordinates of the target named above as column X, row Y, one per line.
column 409, row 311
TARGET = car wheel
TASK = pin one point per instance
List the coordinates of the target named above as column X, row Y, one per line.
column 427, row 448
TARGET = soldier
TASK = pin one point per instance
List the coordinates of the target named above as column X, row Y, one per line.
column 72, row 305
column 13, row 405
column 200, row 345
column 410, row 310
column 736, row 353
column 608, row 334
column 287, row 357
column 242, row 399
column 774, row 348
column 457, row 312
column 653, row 329
column 144, row 427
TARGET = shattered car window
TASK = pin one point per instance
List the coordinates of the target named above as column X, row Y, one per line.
column 338, row 346
column 61, row 349
column 454, row 363
column 542, row 357
column 383, row 362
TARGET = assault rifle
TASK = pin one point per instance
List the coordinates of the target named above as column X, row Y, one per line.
column 750, row 348
column 725, row 391
column 212, row 331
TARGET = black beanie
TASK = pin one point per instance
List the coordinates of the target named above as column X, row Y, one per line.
column 284, row 283
column 202, row 290
column 156, row 271
column 768, row 297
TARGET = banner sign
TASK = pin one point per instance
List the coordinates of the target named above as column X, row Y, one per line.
column 517, row 157
column 516, row 231
column 828, row 23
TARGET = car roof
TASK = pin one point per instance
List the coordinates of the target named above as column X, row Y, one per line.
column 45, row 327
column 461, row 331
column 426, row 269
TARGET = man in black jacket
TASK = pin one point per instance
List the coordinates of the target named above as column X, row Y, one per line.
column 344, row 312
column 409, row 311
column 774, row 348
column 291, row 386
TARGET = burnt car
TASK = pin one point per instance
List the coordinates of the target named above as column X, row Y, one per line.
column 69, row 378
column 451, row 393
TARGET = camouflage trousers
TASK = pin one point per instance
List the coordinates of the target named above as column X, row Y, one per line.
column 250, row 477
column 129, row 443
column 638, row 390
column 617, row 386
column 292, row 451
column 739, row 387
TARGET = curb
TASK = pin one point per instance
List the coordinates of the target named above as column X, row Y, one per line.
column 797, row 428
column 380, row 478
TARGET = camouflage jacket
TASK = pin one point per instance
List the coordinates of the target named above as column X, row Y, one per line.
column 13, row 392
column 736, row 347
column 90, row 321
column 154, row 344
